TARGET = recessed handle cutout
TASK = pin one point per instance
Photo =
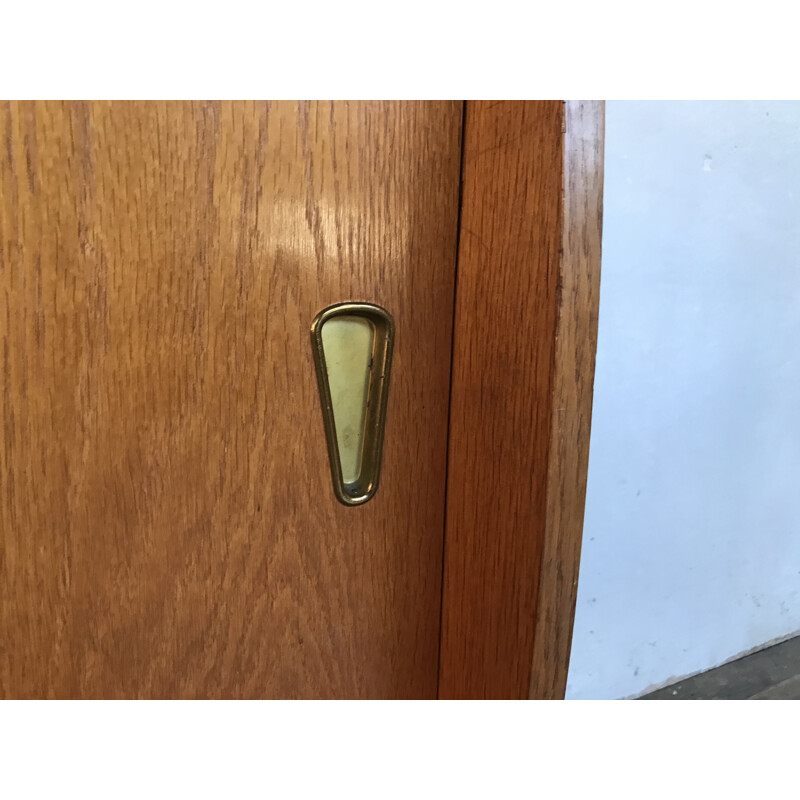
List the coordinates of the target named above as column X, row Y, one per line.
column 347, row 343
column 352, row 344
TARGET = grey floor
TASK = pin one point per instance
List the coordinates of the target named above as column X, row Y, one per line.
column 770, row 674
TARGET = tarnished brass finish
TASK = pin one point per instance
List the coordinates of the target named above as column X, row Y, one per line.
column 363, row 485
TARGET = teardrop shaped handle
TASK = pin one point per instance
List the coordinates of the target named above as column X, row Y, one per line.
column 352, row 345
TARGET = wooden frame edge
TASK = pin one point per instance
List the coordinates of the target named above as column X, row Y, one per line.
column 573, row 383
column 522, row 374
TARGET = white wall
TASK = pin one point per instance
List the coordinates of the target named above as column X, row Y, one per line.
column 691, row 549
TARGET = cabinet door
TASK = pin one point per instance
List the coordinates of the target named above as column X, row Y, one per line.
column 167, row 519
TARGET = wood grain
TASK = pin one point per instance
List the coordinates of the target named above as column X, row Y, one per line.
column 573, row 382
column 510, row 305
column 501, row 391
column 167, row 522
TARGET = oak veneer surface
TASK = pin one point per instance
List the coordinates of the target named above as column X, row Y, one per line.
column 501, row 395
column 573, row 384
column 167, row 521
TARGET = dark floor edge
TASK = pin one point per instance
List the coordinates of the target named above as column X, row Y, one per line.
column 674, row 681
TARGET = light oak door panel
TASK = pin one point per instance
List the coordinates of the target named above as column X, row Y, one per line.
column 167, row 521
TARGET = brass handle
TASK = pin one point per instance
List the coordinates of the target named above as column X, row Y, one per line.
column 352, row 345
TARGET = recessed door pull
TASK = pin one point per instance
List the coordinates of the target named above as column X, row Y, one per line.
column 352, row 344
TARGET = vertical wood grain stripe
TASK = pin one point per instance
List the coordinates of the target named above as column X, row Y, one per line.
column 501, row 395
column 573, row 381
column 523, row 363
